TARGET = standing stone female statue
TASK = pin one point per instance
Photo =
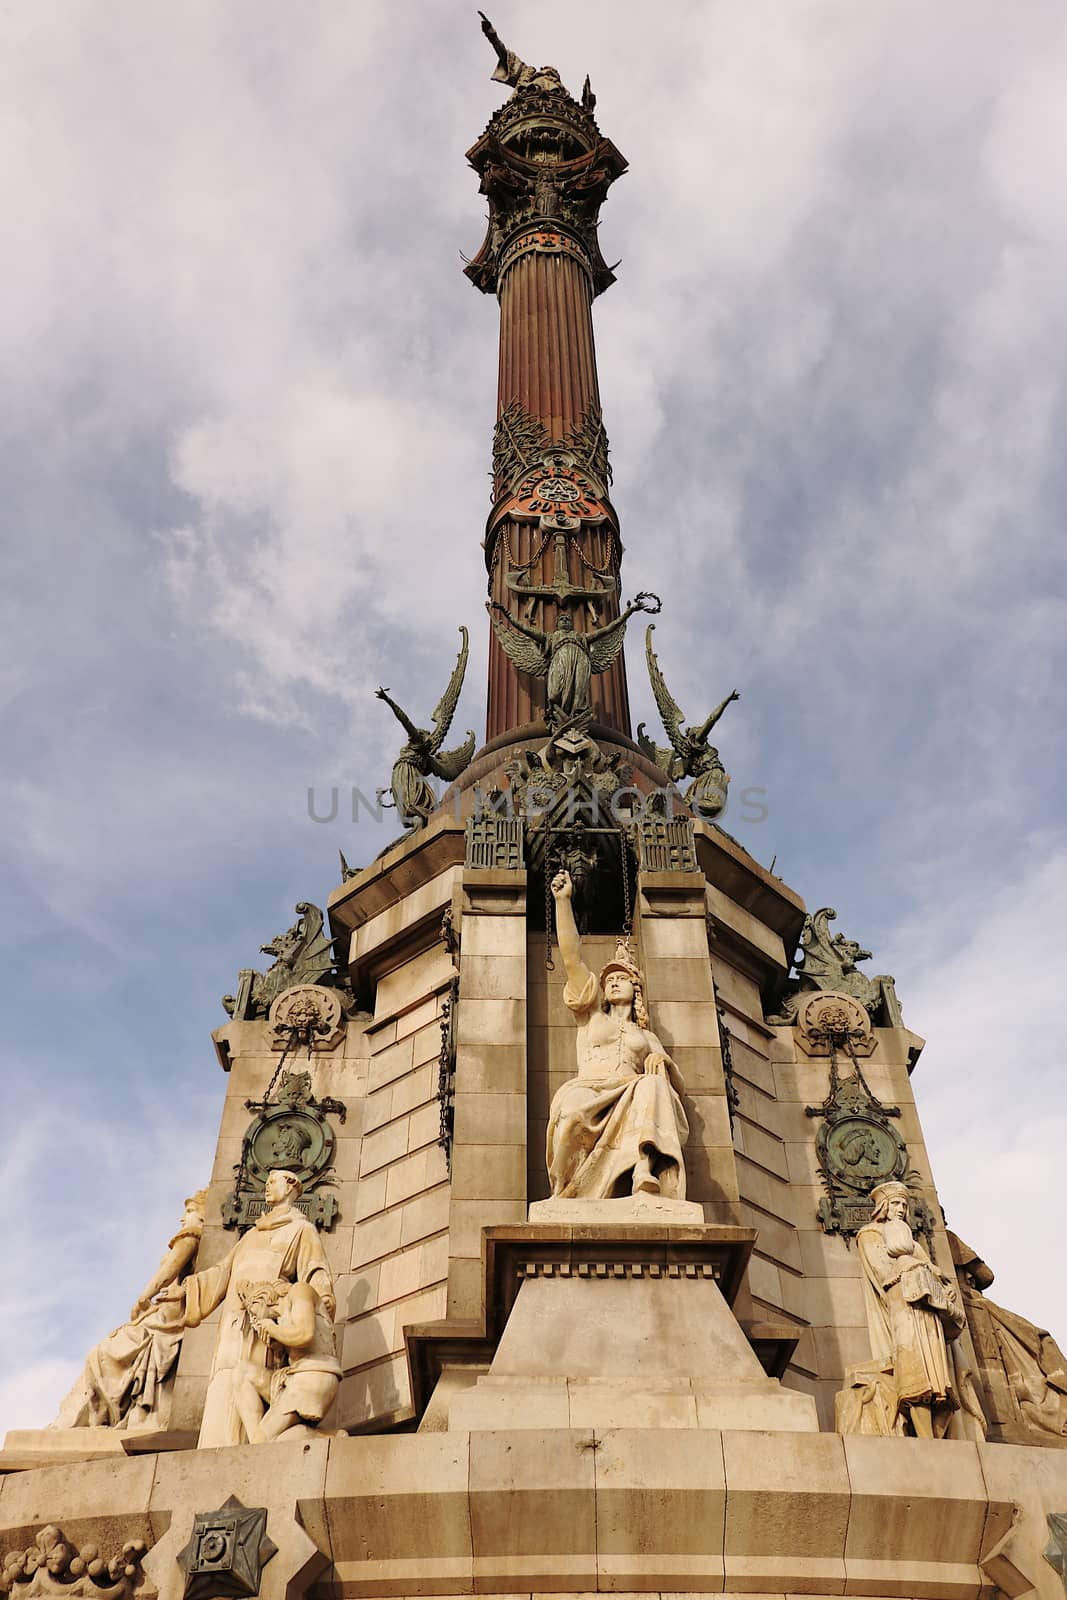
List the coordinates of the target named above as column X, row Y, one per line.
column 617, row 1128
column 914, row 1311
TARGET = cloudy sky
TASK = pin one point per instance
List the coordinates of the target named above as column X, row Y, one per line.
column 245, row 436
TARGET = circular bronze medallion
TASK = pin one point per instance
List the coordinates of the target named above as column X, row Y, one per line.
column 861, row 1152
column 296, row 1140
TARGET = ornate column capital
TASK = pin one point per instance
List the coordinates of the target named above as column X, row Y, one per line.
column 545, row 169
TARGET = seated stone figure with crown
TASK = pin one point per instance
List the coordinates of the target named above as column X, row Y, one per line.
column 617, row 1128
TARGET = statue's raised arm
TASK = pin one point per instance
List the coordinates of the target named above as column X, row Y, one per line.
column 509, row 68
column 700, row 734
column 618, row 1127
column 418, row 735
column 570, row 944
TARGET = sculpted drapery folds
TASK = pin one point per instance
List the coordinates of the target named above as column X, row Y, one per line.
column 617, row 1128
column 913, row 1311
column 282, row 1247
column 1021, row 1368
column 121, row 1385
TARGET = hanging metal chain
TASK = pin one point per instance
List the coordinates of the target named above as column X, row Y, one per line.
column 598, row 572
column 889, row 1111
column 834, row 1075
column 446, row 1073
column 831, row 1098
column 522, row 566
column 550, row 871
column 294, row 1031
column 627, row 905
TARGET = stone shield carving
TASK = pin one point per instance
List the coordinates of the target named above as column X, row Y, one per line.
column 309, row 1012
column 830, row 1016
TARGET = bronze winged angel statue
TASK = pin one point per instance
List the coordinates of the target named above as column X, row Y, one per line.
column 422, row 754
column 689, row 754
column 566, row 659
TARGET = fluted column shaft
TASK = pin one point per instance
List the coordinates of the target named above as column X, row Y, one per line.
column 545, row 170
column 548, row 365
column 547, row 356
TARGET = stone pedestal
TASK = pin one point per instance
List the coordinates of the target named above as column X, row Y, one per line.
column 616, row 1325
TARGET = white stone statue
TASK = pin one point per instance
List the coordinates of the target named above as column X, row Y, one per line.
column 298, row 1395
column 617, row 1128
column 122, row 1383
column 913, row 1308
column 282, row 1246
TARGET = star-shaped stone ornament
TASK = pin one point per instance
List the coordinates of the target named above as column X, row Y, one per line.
column 227, row 1552
column 1055, row 1552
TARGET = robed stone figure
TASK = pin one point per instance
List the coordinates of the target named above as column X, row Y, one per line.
column 125, row 1380
column 914, row 1311
column 617, row 1128
column 283, row 1246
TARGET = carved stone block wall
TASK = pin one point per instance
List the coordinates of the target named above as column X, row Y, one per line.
column 673, row 951
column 775, row 1290
column 400, row 1244
column 489, row 1151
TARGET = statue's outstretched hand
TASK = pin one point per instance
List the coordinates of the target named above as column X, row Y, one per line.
column 562, row 887
column 656, row 1064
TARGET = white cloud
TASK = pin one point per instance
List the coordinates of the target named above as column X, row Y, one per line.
column 97, row 1231
column 978, row 976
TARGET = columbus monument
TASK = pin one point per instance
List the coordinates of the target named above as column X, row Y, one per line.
column 571, row 1227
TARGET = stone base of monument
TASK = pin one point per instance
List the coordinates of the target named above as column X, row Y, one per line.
column 620, row 1324
column 735, row 1404
column 49, row 1447
column 626, row 1347
column 46, row 1447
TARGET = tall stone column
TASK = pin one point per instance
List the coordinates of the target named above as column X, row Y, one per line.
column 552, row 538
